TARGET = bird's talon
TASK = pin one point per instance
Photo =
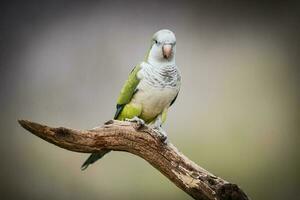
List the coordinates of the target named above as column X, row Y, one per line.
column 161, row 134
column 139, row 122
column 163, row 139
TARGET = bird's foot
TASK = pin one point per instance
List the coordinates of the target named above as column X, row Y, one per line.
column 162, row 134
column 139, row 122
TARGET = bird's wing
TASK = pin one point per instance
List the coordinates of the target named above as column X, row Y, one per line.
column 128, row 90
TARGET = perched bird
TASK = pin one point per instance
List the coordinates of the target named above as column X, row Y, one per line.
column 152, row 87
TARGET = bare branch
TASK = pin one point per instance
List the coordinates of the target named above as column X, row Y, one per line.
column 143, row 142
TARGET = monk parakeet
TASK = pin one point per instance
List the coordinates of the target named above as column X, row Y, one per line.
column 152, row 87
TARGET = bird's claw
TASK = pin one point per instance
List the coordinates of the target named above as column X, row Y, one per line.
column 161, row 134
column 139, row 122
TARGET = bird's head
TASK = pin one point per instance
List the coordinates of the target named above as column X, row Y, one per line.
column 163, row 47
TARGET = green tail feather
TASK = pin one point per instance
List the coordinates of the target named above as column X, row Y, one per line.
column 93, row 158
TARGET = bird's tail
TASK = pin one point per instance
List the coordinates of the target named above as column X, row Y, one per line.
column 93, row 158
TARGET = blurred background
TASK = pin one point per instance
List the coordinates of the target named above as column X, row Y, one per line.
column 63, row 63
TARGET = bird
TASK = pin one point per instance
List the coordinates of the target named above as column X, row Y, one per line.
column 151, row 88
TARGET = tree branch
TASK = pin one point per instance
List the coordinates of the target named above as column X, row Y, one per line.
column 145, row 143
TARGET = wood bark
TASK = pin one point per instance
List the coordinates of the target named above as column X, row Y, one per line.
column 145, row 143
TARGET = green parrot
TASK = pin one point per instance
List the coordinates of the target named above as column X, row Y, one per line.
column 151, row 88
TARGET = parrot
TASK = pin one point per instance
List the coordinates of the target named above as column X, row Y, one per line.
column 151, row 88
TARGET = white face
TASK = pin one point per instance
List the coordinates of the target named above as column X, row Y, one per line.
column 163, row 47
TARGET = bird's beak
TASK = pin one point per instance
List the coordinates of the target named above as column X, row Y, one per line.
column 167, row 50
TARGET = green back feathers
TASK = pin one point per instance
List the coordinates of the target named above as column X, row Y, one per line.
column 129, row 87
column 127, row 92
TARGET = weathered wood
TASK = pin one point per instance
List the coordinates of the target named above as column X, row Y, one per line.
column 145, row 143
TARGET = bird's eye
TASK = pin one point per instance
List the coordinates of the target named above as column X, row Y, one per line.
column 155, row 41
